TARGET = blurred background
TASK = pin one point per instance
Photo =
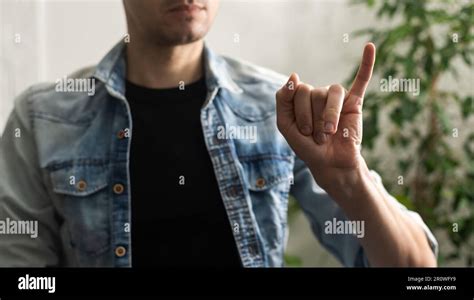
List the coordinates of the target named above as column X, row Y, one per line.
column 423, row 146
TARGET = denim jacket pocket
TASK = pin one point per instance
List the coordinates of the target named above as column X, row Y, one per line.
column 85, row 204
column 264, row 172
column 268, row 179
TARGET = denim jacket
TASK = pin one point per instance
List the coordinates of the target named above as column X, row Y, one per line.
column 69, row 171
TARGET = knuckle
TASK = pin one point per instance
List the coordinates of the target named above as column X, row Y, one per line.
column 336, row 88
column 331, row 112
column 362, row 78
column 304, row 88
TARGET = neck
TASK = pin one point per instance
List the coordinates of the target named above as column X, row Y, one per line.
column 157, row 66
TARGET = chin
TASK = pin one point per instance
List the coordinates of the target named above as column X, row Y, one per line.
column 188, row 36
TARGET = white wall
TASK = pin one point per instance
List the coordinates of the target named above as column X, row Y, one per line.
column 57, row 37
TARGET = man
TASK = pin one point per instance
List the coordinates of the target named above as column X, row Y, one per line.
column 175, row 159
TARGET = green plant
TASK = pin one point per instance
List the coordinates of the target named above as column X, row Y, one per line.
column 293, row 210
column 429, row 41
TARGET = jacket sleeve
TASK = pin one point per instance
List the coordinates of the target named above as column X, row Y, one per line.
column 24, row 197
column 320, row 208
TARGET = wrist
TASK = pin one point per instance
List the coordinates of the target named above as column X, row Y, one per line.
column 343, row 182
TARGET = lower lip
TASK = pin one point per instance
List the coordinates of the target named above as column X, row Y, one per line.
column 187, row 11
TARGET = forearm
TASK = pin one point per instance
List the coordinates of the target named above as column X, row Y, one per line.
column 391, row 237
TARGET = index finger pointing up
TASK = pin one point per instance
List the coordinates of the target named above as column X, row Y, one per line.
column 365, row 71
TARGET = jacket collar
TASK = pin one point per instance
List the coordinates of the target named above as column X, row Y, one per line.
column 112, row 71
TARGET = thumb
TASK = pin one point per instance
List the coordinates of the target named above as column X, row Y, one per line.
column 285, row 103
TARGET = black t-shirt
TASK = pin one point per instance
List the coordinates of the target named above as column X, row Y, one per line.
column 178, row 216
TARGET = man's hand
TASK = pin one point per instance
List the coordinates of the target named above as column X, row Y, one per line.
column 324, row 128
column 324, row 125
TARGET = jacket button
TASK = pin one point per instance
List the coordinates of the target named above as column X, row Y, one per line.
column 118, row 188
column 81, row 185
column 260, row 182
column 120, row 251
column 121, row 134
